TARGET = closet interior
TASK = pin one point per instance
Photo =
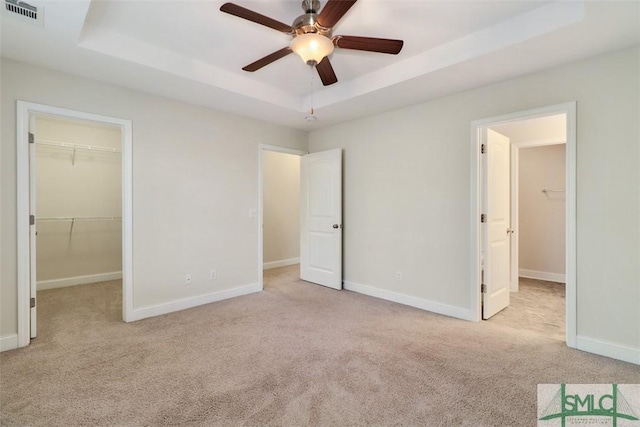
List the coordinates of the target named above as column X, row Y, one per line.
column 78, row 202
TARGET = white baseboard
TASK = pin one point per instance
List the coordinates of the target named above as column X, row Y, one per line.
column 9, row 342
column 428, row 305
column 281, row 263
column 542, row 275
column 609, row 349
column 78, row 280
column 185, row 303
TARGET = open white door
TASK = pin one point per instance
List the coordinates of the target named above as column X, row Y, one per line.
column 321, row 218
column 496, row 269
column 32, row 224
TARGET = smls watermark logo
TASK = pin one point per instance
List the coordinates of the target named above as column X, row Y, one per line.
column 570, row 405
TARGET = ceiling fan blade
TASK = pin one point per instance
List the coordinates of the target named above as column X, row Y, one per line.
column 333, row 11
column 368, row 43
column 326, row 73
column 241, row 12
column 255, row 66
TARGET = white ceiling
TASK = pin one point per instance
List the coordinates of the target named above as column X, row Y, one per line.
column 189, row 50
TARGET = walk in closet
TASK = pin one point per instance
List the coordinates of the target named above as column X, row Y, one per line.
column 78, row 202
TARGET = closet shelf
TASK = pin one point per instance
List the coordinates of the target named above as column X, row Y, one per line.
column 73, row 220
column 78, row 218
column 75, row 147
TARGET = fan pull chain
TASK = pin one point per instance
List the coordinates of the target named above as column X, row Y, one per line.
column 311, row 116
column 312, row 75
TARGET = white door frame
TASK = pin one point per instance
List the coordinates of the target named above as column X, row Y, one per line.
column 515, row 198
column 24, row 111
column 261, row 149
column 569, row 109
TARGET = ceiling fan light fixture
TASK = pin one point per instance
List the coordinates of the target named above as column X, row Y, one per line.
column 312, row 47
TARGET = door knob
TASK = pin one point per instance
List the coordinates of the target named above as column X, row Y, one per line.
column 336, row 226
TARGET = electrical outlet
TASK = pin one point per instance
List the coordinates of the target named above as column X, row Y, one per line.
column 187, row 279
column 398, row 276
column 213, row 275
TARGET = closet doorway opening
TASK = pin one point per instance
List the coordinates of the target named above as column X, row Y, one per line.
column 78, row 202
column 498, row 223
column 74, row 191
column 537, row 225
column 279, row 243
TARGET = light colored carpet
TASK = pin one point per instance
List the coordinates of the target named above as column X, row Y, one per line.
column 539, row 306
column 295, row 354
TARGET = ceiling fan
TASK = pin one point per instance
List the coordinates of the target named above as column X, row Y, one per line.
column 312, row 38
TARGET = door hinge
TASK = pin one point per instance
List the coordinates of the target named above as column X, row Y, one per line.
column 32, row 219
column 483, row 149
column 483, row 218
column 483, row 289
column 33, row 302
column 32, row 138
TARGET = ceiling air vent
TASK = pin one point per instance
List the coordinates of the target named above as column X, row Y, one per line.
column 24, row 11
column 22, row 8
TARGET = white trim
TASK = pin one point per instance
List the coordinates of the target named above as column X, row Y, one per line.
column 278, row 149
column 78, row 280
column 569, row 109
column 571, row 264
column 191, row 302
column 24, row 110
column 608, row 349
column 261, row 149
column 474, row 223
column 515, row 216
column 127, row 220
column 423, row 304
column 281, row 263
column 8, row 342
column 542, row 275
column 22, row 224
column 33, row 290
column 539, row 142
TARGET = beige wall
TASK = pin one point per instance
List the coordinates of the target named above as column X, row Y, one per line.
column 542, row 215
column 407, row 190
column 195, row 179
column 90, row 186
column 281, row 201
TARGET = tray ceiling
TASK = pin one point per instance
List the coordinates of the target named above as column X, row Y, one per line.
column 189, row 50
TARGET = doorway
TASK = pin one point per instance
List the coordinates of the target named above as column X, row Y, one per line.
column 78, row 202
column 29, row 116
column 521, row 128
column 320, row 215
column 279, row 244
column 537, row 225
column 538, row 174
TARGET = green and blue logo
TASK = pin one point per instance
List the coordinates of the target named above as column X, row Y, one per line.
column 581, row 404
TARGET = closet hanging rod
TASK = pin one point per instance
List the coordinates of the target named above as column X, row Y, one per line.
column 79, row 218
column 77, row 146
column 546, row 190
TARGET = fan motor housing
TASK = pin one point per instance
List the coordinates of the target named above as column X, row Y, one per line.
column 307, row 23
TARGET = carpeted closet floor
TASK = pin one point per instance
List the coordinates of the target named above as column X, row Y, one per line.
column 538, row 306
